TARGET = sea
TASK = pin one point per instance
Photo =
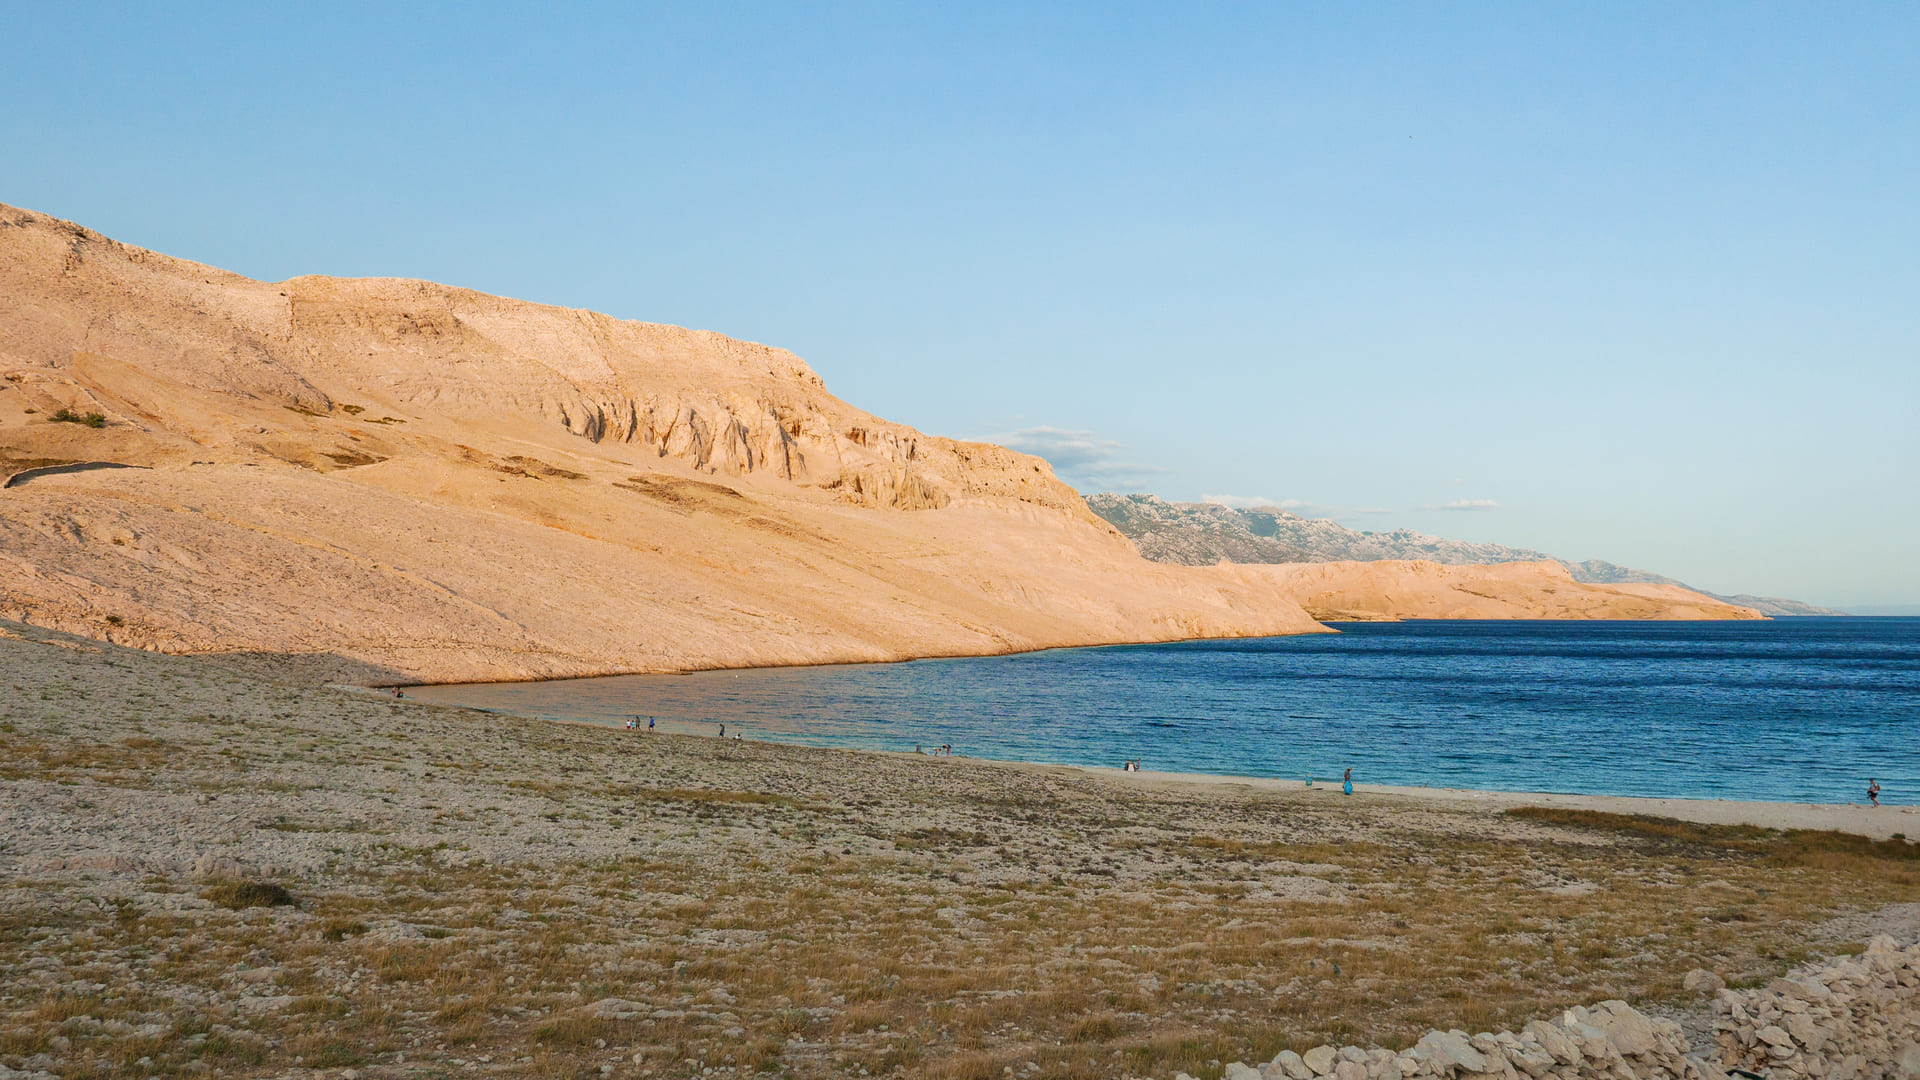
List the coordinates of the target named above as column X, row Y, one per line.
column 1793, row 710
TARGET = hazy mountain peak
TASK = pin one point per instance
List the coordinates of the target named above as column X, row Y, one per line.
column 1201, row 534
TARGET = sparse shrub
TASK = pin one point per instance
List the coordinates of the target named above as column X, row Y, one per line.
column 68, row 416
column 248, row 894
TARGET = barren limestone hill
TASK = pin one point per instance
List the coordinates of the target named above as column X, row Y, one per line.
column 438, row 484
column 1201, row 534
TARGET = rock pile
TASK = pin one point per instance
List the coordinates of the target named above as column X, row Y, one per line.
column 1609, row 1040
column 1852, row 1018
column 1855, row 1018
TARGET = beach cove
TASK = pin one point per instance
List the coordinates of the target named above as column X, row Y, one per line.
column 484, row 893
column 1791, row 710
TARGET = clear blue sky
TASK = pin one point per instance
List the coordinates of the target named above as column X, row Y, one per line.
column 1632, row 282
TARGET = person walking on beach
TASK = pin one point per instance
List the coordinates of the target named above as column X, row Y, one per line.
column 649, row 723
column 1873, row 792
column 1347, row 783
column 723, row 731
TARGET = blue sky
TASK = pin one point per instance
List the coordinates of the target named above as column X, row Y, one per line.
column 1639, row 283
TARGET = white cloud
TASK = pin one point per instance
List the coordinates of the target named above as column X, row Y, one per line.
column 1081, row 458
column 1465, row 504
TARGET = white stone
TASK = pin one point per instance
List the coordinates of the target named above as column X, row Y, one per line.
column 1449, row 1049
column 1628, row 1031
column 1807, row 1033
column 1320, row 1059
column 1291, row 1063
column 1702, row 981
column 1554, row 1042
column 614, row 1009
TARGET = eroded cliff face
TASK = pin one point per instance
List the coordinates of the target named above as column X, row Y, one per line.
column 720, row 406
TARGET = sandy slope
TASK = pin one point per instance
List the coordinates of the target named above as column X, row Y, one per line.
column 453, row 486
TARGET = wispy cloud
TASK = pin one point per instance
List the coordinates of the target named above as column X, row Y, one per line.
column 1301, row 507
column 1081, row 458
column 1248, row 502
column 1464, row 504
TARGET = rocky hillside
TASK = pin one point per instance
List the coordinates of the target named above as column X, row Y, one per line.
column 1203, row 534
column 429, row 483
column 448, row 485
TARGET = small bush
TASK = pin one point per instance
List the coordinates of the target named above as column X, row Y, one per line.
column 92, row 419
column 248, row 894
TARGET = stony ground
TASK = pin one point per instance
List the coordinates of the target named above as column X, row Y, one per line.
column 217, row 866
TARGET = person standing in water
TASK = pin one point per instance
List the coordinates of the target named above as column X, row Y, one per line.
column 1347, row 783
column 1873, row 792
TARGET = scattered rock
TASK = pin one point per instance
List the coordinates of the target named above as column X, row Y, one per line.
column 214, row 867
column 1703, row 981
column 614, row 1009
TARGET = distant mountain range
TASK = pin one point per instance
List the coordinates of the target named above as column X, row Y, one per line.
column 1201, row 534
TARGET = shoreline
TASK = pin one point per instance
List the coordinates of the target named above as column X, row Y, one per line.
column 1879, row 823
column 1325, row 626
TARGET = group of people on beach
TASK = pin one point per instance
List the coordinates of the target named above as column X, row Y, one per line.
column 1131, row 766
column 633, row 722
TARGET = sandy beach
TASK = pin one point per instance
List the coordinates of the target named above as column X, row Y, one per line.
column 472, row 893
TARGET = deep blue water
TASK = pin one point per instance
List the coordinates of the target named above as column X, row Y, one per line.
column 1801, row 710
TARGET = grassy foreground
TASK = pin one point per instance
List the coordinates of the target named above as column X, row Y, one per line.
column 205, row 870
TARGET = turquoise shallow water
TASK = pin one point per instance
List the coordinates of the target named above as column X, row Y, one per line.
column 1803, row 710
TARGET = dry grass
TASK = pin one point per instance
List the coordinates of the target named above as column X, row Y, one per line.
column 472, row 883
